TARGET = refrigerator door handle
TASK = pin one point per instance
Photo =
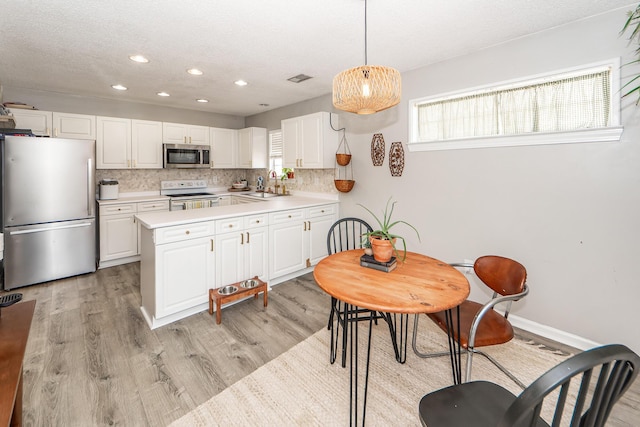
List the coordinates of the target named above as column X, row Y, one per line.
column 89, row 185
column 38, row 230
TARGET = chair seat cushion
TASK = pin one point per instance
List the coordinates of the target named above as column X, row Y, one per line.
column 493, row 329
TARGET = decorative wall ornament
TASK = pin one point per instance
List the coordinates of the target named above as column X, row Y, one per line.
column 396, row 159
column 377, row 149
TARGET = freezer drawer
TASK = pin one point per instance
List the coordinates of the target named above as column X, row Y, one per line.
column 39, row 253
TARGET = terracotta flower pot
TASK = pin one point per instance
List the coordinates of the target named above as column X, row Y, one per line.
column 382, row 248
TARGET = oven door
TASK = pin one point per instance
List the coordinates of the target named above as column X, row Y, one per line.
column 185, row 156
column 179, row 204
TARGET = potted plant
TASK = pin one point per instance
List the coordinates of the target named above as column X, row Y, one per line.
column 383, row 242
column 288, row 172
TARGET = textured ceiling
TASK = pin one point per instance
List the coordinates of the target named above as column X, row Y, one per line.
column 82, row 46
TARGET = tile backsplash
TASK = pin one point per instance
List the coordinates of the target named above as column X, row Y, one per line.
column 143, row 180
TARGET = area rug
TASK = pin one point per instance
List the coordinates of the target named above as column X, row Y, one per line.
column 301, row 387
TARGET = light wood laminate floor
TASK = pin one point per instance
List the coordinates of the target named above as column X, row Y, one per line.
column 92, row 360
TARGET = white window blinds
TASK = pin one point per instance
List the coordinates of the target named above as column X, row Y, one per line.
column 575, row 105
column 566, row 104
column 275, row 144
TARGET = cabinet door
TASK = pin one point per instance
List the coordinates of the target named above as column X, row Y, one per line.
column 310, row 144
column 75, row 126
column 146, row 144
column 40, row 122
column 118, row 237
column 288, row 246
column 256, row 246
column 185, row 271
column 229, row 258
column 290, row 141
column 317, row 229
column 223, row 148
column 174, row 133
column 244, row 148
column 198, row 135
column 113, row 143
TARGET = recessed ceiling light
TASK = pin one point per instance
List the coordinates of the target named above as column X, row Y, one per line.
column 202, row 100
column 241, row 83
column 119, row 87
column 139, row 58
column 194, row 72
column 163, row 94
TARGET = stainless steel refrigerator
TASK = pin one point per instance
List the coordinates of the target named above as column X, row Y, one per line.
column 48, row 209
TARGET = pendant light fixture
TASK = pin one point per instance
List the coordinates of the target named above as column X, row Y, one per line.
column 369, row 88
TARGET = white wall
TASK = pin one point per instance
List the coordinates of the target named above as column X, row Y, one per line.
column 570, row 213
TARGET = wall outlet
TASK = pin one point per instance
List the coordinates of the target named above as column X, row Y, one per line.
column 214, row 179
column 316, row 181
column 468, row 270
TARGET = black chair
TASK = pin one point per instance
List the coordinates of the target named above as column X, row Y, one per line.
column 480, row 324
column 345, row 234
column 605, row 373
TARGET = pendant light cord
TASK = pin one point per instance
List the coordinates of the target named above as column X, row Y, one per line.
column 365, row 33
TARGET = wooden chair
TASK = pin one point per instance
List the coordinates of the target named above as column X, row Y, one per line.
column 345, row 234
column 602, row 374
column 480, row 324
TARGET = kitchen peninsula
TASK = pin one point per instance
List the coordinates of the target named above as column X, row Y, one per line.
column 186, row 253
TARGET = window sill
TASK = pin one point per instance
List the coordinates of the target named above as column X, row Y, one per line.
column 610, row 134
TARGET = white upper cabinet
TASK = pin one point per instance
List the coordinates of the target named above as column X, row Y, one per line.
column 309, row 142
column 252, row 148
column 176, row 133
column 146, row 144
column 125, row 144
column 113, row 144
column 224, row 151
column 57, row 125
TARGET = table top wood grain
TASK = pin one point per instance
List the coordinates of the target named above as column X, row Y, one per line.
column 420, row 284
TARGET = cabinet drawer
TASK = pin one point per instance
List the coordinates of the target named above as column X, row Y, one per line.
column 286, row 216
column 322, row 211
column 118, row 209
column 254, row 221
column 157, row 205
column 229, row 224
column 184, row 232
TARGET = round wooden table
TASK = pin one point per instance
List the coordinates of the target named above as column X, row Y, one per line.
column 420, row 284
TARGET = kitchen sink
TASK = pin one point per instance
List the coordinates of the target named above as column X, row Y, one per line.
column 262, row 195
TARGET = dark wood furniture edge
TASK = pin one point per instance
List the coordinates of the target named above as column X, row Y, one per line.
column 15, row 323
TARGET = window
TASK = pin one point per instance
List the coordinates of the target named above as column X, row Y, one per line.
column 275, row 151
column 578, row 105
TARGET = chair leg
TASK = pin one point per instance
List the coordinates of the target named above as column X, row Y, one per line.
column 333, row 306
column 497, row 365
column 414, row 343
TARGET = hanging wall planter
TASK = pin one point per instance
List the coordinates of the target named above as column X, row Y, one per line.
column 343, row 154
column 396, row 159
column 377, row 149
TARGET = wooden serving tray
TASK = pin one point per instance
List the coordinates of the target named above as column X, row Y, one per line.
column 239, row 189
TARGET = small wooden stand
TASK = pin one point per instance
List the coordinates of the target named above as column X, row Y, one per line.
column 219, row 299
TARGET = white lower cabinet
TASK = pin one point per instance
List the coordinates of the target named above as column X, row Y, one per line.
column 119, row 231
column 298, row 238
column 186, row 272
column 241, row 249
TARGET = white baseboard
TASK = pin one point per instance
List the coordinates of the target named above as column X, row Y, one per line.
column 553, row 333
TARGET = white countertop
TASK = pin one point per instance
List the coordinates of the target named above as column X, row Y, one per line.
column 153, row 220
column 132, row 199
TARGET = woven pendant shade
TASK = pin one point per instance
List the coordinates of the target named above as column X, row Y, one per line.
column 367, row 89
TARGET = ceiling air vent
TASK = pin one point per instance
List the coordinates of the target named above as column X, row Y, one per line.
column 299, row 78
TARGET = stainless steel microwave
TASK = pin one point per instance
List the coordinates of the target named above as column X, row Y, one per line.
column 185, row 156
